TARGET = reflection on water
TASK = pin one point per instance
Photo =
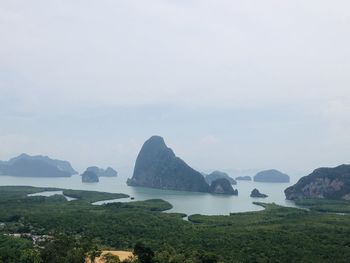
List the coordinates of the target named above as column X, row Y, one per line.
column 183, row 202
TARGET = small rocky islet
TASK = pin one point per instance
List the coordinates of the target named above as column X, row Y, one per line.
column 89, row 177
column 256, row 194
column 100, row 172
column 93, row 173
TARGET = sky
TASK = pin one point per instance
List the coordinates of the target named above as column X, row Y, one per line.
column 228, row 84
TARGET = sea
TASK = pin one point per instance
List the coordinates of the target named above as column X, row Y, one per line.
column 183, row 202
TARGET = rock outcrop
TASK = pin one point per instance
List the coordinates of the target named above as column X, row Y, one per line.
column 36, row 166
column 256, row 194
column 243, row 178
column 271, row 176
column 222, row 186
column 109, row 172
column 89, row 177
column 328, row 183
column 158, row 167
column 216, row 175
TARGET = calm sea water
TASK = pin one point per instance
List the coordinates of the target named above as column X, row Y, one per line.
column 183, row 202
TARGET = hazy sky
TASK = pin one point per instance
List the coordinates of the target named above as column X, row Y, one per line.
column 228, row 84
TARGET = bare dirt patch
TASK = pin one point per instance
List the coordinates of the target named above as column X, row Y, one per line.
column 121, row 254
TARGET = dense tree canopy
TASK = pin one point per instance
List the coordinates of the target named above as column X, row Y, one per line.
column 277, row 234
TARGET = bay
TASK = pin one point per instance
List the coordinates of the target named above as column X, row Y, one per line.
column 183, row 202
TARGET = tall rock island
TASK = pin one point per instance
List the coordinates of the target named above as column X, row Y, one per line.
column 157, row 166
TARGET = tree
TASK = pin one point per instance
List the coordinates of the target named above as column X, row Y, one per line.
column 209, row 258
column 143, row 253
column 110, row 258
column 30, row 256
column 94, row 253
column 63, row 249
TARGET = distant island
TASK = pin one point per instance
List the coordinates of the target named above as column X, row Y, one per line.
column 89, row 177
column 222, row 186
column 25, row 165
column 243, row 178
column 322, row 183
column 209, row 178
column 157, row 166
column 100, row 172
column 271, row 176
column 256, row 194
column 93, row 173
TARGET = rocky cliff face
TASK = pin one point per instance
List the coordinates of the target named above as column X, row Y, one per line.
column 271, row 176
column 158, row 167
column 216, row 175
column 330, row 183
column 222, row 186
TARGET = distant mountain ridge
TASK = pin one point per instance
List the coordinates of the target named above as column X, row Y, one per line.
column 25, row 165
column 243, row 178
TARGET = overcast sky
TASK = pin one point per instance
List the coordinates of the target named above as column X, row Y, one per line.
column 228, row 84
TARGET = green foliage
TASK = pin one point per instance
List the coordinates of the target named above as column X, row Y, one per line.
column 151, row 205
column 94, row 253
column 13, row 250
column 20, row 192
column 110, row 258
column 277, row 234
column 325, row 205
column 30, row 256
column 64, row 249
column 144, row 254
column 209, row 257
column 92, row 196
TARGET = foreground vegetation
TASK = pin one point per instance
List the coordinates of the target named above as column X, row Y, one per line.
column 277, row 234
column 92, row 196
column 325, row 205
